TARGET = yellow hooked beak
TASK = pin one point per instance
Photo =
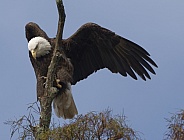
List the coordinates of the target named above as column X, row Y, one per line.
column 33, row 52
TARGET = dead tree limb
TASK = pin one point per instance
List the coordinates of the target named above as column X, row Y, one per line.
column 50, row 91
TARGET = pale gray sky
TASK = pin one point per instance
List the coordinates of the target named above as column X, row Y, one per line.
column 155, row 25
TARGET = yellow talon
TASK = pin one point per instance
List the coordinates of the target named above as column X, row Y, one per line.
column 58, row 83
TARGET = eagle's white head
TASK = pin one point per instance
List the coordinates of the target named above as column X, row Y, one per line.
column 39, row 46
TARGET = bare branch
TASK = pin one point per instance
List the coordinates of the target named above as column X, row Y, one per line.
column 175, row 126
column 50, row 91
column 93, row 125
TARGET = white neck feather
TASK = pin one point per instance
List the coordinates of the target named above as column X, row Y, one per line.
column 39, row 45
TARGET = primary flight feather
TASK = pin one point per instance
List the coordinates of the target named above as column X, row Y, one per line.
column 91, row 48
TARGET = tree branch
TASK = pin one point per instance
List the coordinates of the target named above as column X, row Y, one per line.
column 57, row 50
column 50, row 91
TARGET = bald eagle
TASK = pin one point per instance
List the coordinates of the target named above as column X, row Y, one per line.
column 89, row 49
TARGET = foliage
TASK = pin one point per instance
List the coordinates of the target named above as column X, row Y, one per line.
column 96, row 126
column 93, row 126
column 176, row 127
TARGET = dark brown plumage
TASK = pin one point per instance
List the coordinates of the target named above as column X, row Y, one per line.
column 90, row 49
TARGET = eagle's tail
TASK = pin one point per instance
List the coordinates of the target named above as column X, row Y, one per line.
column 64, row 105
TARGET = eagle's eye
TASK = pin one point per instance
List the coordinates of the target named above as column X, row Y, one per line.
column 36, row 47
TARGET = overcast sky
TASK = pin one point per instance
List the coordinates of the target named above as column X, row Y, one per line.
column 155, row 25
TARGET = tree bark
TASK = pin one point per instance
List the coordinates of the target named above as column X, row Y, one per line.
column 50, row 91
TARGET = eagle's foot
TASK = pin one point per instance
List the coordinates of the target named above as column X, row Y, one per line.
column 58, row 83
column 44, row 78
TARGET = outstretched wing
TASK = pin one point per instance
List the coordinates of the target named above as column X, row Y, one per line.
column 92, row 48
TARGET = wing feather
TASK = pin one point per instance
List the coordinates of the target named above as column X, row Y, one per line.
column 93, row 47
column 125, row 63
